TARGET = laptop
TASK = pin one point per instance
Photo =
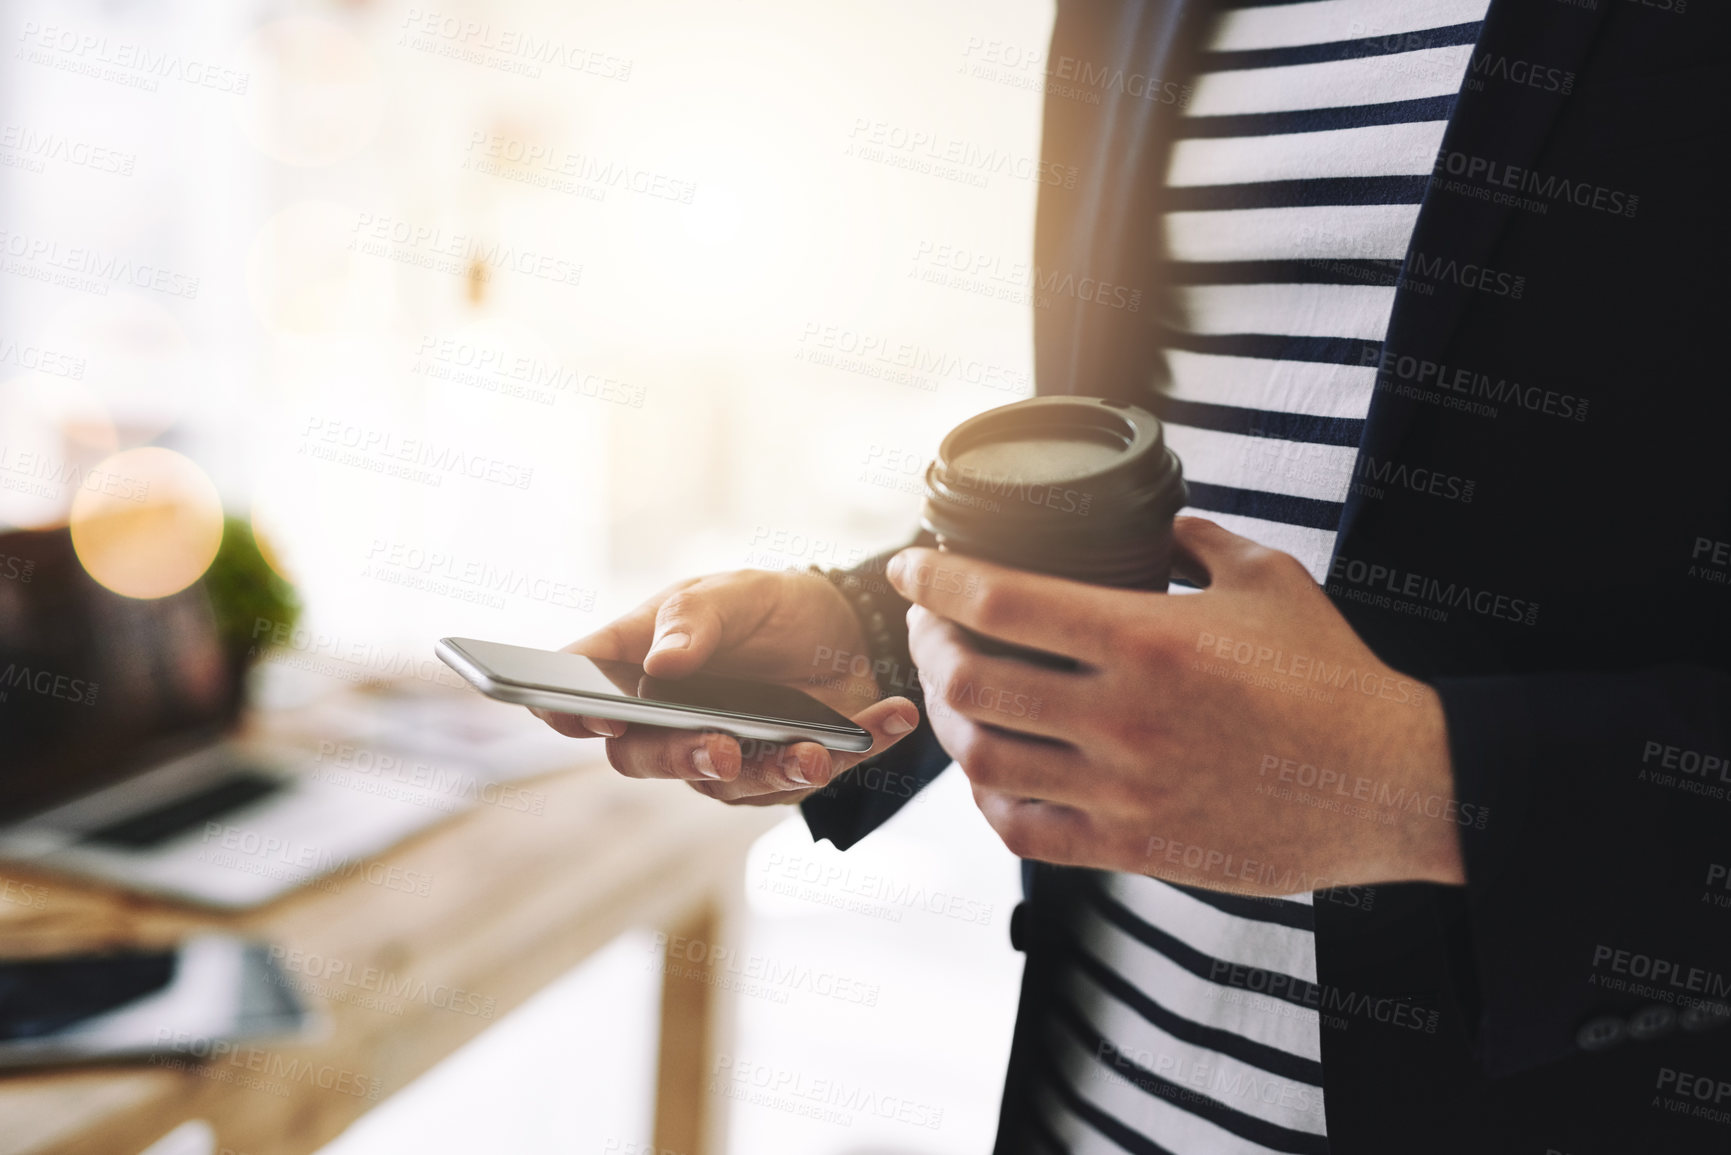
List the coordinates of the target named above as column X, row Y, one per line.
column 122, row 758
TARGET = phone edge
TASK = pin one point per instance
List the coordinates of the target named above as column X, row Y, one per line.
column 451, row 653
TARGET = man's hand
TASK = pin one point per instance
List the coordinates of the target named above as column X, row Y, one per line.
column 776, row 627
column 1242, row 738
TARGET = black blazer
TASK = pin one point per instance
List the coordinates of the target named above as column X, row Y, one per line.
column 1552, row 353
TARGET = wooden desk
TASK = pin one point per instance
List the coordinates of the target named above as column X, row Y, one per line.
column 516, row 900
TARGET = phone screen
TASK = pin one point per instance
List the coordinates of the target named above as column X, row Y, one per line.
column 78, row 1007
column 623, row 681
column 42, row 997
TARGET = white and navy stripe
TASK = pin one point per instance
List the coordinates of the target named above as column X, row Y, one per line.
column 1290, row 200
column 1291, row 197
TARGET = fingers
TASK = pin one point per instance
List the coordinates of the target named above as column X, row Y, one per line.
column 628, row 637
column 736, row 769
column 682, row 624
column 692, row 622
column 1003, row 692
column 1015, row 764
column 1039, row 830
column 579, row 725
column 625, row 639
column 1211, row 555
column 657, row 752
column 1046, row 613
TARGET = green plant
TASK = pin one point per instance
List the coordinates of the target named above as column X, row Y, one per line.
column 244, row 589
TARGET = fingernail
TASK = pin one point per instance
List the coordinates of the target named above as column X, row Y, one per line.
column 796, row 773
column 703, row 763
column 897, row 725
column 673, row 641
column 894, row 570
column 602, row 726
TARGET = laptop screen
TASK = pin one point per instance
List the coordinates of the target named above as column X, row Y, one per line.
column 94, row 685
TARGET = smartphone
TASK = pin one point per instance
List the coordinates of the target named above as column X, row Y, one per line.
column 573, row 684
column 210, row 989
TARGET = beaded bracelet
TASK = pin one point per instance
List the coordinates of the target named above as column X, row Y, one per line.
column 885, row 647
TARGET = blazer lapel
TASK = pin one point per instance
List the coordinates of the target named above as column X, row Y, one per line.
column 1490, row 125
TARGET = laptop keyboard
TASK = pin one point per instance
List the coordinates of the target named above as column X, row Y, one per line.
column 170, row 820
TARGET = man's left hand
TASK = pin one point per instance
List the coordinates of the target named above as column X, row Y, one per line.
column 1241, row 738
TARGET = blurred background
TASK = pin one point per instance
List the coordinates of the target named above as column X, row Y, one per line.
column 590, row 294
column 490, row 320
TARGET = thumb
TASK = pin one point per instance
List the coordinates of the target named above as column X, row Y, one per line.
column 1208, row 553
column 693, row 622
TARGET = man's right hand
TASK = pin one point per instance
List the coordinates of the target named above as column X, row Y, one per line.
column 776, row 627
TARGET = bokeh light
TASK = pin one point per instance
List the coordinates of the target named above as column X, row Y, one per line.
column 147, row 522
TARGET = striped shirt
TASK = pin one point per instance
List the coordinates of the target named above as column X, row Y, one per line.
column 1178, row 1020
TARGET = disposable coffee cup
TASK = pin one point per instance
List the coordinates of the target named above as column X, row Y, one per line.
column 1075, row 487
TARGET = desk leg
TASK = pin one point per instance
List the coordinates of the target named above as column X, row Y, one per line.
column 689, row 1120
